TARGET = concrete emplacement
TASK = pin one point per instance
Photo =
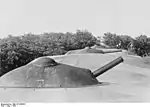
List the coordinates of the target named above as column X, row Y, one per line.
column 45, row 72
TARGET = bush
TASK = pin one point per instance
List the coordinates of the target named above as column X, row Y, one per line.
column 117, row 41
column 18, row 51
column 140, row 45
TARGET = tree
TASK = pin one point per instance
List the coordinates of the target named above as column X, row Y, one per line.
column 84, row 39
column 125, row 41
column 142, row 45
column 111, row 40
column 18, row 51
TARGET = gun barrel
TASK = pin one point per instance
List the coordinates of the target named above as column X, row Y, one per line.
column 113, row 51
column 107, row 66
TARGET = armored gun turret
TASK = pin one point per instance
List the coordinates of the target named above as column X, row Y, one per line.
column 45, row 72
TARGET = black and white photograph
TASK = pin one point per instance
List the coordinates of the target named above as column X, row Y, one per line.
column 74, row 51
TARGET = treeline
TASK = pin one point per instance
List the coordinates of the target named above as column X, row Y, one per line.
column 139, row 45
column 16, row 51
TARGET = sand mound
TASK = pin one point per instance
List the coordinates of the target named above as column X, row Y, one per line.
column 94, row 49
column 86, row 50
column 123, row 83
column 146, row 60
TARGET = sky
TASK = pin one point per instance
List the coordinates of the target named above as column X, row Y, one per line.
column 128, row 17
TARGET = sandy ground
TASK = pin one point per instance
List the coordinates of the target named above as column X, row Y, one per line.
column 127, row 82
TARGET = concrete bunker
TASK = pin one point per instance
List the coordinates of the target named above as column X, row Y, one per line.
column 45, row 72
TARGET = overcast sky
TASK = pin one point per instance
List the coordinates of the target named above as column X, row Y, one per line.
column 131, row 17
